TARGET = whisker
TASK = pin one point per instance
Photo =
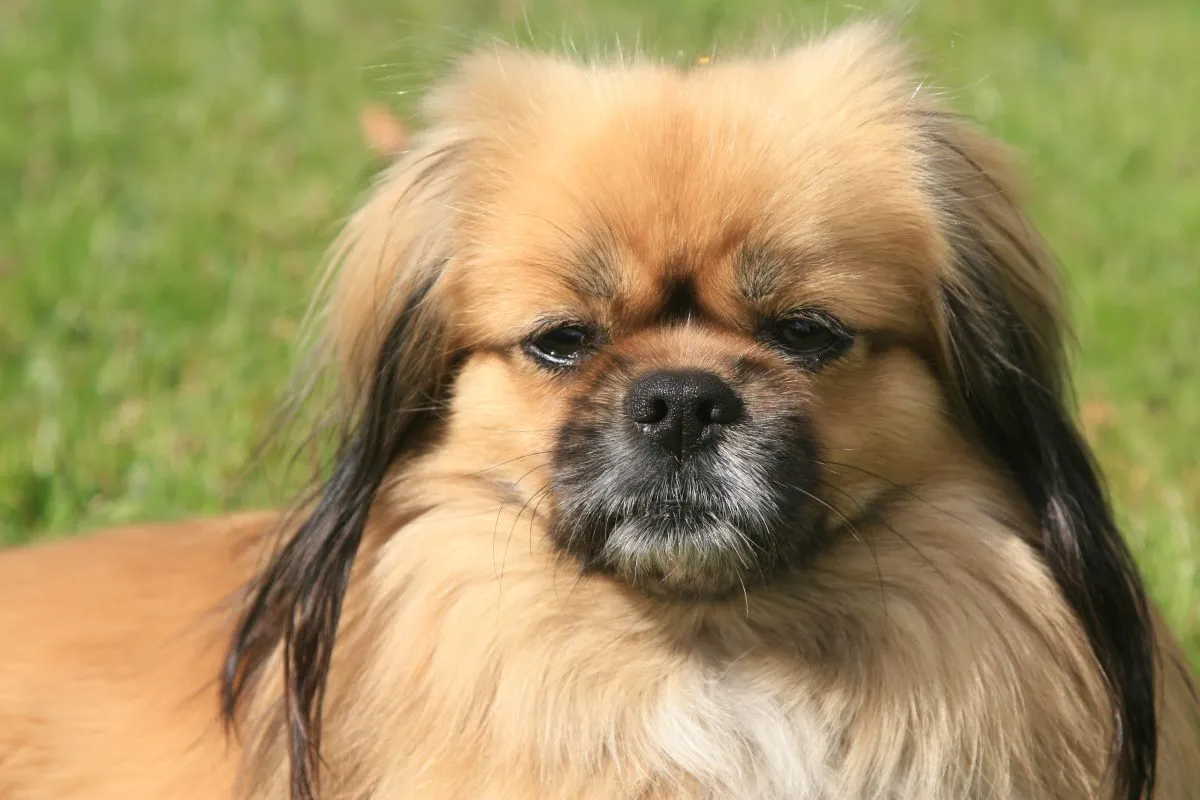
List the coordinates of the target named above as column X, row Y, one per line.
column 898, row 486
column 503, row 502
column 848, row 524
column 509, row 461
column 882, row 521
column 540, row 493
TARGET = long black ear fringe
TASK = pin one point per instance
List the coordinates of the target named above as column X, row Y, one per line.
column 297, row 599
column 1014, row 399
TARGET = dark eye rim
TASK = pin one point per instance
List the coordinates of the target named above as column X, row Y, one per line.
column 589, row 340
column 841, row 336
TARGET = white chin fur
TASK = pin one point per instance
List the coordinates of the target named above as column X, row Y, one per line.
column 711, row 556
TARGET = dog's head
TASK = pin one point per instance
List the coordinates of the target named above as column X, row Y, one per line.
column 734, row 307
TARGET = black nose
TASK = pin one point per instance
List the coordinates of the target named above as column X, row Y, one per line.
column 683, row 411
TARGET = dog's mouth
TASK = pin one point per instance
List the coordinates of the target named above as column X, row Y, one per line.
column 726, row 518
column 705, row 547
column 679, row 549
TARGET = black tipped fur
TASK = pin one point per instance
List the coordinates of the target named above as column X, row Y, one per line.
column 1028, row 428
column 298, row 599
column 1008, row 371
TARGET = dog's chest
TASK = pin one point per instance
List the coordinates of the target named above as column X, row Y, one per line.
column 738, row 737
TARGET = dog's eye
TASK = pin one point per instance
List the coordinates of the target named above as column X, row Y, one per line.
column 812, row 338
column 563, row 346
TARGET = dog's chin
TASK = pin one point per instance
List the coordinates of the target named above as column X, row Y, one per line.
column 684, row 554
column 714, row 528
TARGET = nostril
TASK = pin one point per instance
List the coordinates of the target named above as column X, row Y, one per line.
column 724, row 411
column 649, row 410
column 658, row 410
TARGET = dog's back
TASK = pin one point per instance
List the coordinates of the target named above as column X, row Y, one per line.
column 111, row 651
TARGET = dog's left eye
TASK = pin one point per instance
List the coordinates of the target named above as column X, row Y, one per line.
column 563, row 346
column 812, row 338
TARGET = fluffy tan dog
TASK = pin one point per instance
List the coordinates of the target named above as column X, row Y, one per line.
column 705, row 438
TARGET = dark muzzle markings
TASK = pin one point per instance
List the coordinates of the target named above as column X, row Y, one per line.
column 685, row 482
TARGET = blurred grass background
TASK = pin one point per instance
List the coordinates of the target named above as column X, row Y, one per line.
column 170, row 174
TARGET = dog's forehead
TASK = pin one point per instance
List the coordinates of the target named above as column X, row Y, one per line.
column 692, row 192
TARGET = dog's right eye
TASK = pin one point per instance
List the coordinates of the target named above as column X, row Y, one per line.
column 563, row 346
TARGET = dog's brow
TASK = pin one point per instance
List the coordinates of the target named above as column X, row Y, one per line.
column 761, row 270
column 592, row 272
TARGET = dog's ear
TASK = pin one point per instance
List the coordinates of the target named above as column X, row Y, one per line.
column 1003, row 360
column 390, row 333
column 389, row 336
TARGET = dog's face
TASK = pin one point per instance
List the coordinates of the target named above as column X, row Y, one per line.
column 704, row 334
column 710, row 311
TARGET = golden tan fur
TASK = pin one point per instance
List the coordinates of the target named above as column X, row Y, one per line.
column 112, row 646
column 926, row 653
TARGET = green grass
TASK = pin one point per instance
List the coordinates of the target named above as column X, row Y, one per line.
column 170, row 173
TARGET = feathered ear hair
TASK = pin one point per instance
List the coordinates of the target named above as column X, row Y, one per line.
column 389, row 336
column 1003, row 355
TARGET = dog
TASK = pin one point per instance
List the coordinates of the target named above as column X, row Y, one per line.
column 705, row 435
